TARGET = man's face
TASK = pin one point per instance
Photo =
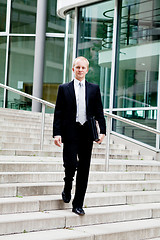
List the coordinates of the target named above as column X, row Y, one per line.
column 80, row 69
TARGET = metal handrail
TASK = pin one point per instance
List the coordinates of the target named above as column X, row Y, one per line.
column 43, row 102
column 109, row 117
column 135, row 101
column 127, row 121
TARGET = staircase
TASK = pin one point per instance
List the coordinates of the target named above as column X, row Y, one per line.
column 122, row 204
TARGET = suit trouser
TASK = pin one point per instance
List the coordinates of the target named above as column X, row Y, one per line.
column 77, row 156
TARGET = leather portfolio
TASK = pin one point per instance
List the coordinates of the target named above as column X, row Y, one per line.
column 94, row 129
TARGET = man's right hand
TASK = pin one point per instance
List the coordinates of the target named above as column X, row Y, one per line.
column 58, row 141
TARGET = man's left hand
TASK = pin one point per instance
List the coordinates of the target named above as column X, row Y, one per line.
column 101, row 137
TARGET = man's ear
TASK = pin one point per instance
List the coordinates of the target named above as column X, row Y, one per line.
column 73, row 69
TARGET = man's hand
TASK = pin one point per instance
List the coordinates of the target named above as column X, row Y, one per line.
column 58, row 141
column 101, row 137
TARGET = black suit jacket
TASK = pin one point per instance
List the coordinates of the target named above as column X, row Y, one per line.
column 65, row 110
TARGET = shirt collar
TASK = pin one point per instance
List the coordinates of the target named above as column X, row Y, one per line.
column 77, row 82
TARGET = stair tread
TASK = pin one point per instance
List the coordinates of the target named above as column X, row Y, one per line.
column 110, row 230
column 88, row 195
column 59, row 159
column 90, row 183
column 67, row 213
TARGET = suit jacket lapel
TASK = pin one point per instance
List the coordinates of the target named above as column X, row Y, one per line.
column 71, row 90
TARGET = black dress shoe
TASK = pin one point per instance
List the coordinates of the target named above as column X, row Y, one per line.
column 66, row 197
column 78, row 211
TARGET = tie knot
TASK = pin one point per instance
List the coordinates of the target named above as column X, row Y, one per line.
column 80, row 84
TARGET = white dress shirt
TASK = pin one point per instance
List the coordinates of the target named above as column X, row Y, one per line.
column 76, row 88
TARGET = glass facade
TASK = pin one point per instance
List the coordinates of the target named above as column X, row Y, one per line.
column 54, row 23
column 93, row 32
column 137, row 81
column 20, row 70
column 17, row 51
column 136, row 85
column 53, row 71
column 3, row 10
column 148, row 118
column 23, row 16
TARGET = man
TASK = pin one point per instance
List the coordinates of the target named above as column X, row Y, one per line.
column 77, row 101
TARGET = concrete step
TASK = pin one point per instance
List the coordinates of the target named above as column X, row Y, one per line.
column 129, row 230
column 31, row 139
column 129, row 156
column 26, row 204
column 49, row 188
column 24, row 130
column 10, row 158
column 136, row 230
column 21, row 122
column 33, row 144
column 10, row 112
column 20, row 141
column 24, row 134
column 22, row 150
column 50, row 164
column 49, row 142
column 21, row 146
column 30, row 159
column 154, row 238
column 31, row 166
column 17, row 223
column 35, row 152
column 32, row 125
column 13, row 133
column 21, row 204
column 16, row 150
column 32, row 177
column 16, row 114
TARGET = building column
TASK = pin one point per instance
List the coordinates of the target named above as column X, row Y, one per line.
column 39, row 53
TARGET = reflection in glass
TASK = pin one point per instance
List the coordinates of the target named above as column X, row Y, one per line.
column 20, row 73
column 54, row 23
column 23, row 16
column 95, row 36
column 2, row 64
column 138, row 66
column 53, row 74
column 3, row 9
column 144, row 117
column 136, row 85
column 69, row 45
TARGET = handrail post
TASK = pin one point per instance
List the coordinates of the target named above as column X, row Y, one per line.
column 42, row 126
column 108, row 143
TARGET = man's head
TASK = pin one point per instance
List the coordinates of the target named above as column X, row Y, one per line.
column 80, row 68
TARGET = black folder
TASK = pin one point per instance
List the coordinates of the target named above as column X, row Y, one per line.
column 94, row 129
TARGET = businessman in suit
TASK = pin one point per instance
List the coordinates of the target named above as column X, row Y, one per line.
column 77, row 101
